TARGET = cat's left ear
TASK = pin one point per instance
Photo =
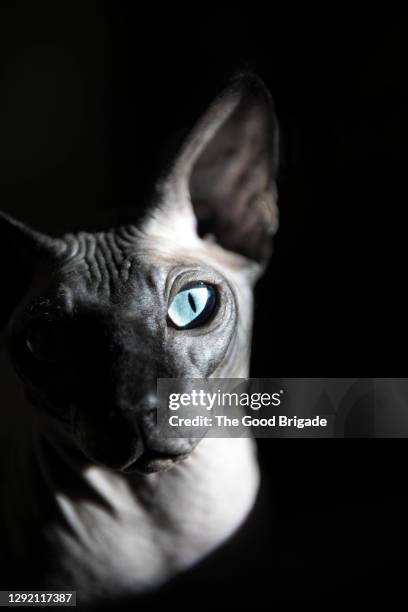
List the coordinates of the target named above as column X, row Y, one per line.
column 227, row 168
column 21, row 250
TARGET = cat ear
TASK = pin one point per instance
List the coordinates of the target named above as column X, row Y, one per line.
column 21, row 248
column 227, row 168
column 21, row 239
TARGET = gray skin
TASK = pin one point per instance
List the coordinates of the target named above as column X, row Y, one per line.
column 93, row 498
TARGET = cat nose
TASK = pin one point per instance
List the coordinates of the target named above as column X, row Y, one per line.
column 155, row 437
column 135, row 409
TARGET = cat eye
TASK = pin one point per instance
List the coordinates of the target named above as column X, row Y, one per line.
column 192, row 306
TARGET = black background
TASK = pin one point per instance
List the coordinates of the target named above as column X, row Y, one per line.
column 92, row 96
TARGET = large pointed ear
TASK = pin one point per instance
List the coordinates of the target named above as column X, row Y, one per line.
column 21, row 249
column 227, row 169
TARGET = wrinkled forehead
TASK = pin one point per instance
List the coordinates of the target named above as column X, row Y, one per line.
column 108, row 267
column 119, row 269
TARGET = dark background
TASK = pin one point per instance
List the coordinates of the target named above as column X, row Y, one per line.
column 92, row 95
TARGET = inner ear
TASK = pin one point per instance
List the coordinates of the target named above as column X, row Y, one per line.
column 231, row 183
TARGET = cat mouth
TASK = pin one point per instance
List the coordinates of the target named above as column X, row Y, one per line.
column 154, row 461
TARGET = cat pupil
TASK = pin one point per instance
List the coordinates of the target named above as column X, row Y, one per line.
column 192, row 302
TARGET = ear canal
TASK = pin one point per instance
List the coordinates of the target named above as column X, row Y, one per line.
column 227, row 169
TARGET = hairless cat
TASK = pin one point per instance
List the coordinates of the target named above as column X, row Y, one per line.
column 93, row 499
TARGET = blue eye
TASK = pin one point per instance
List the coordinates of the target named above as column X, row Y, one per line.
column 192, row 306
